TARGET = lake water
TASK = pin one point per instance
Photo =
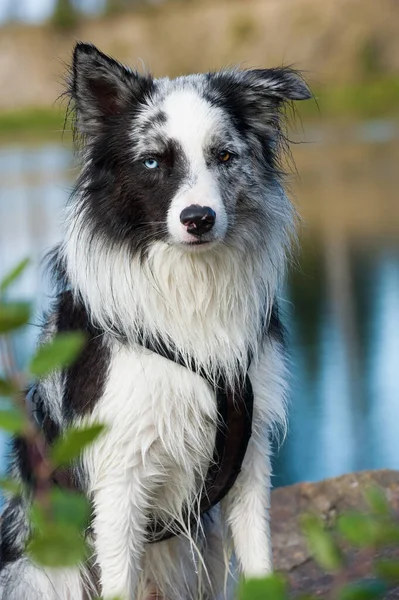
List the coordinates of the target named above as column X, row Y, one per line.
column 340, row 304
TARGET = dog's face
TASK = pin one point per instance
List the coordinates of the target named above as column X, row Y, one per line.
column 191, row 162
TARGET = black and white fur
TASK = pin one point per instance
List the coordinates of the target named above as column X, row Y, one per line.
column 129, row 267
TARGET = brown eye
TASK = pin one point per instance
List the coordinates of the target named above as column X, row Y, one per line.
column 224, row 156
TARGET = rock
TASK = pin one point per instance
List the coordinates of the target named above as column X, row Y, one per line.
column 327, row 498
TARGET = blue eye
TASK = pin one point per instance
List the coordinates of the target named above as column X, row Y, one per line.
column 151, row 163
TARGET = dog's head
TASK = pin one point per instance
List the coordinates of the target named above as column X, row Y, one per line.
column 191, row 162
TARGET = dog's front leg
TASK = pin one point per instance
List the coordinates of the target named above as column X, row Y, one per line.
column 246, row 509
column 119, row 530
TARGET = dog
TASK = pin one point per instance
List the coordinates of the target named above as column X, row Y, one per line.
column 176, row 240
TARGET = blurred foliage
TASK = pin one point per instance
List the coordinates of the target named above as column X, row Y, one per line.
column 13, row 316
column 60, row 352
column 61, row 517
column 322, row 544
column 274, row 586
column 37, row 121
column 13, row 275
column 370, row 58
column 73, row 442
column 375, row 98
column 114, row 7
column 330, row 548
column 65, row 16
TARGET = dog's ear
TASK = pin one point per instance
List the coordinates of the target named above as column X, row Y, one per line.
column 280, row 84
column 102, row 87
column 256, row 96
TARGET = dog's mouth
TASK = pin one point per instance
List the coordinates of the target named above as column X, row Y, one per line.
column 194, row 245
column 195, row 242
column 198, row 243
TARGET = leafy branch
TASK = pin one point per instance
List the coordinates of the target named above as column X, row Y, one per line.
column 367, row 532
column 58, row 517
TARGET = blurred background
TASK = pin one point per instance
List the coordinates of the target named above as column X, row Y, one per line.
column 341, row 300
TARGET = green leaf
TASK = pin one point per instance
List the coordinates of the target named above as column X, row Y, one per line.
column 366, row 531
column 65, row 507
column 388, row 570
column 38, row 515
column 13, row 275
column 57, row 545
column 273, row 587
column 363, row 590
column 377, row 501
column 386, row 533
column 7, row 388
column 321, row 543
column 70, row 508
column 11, row 486
column 13, row 315
column 70, row 446
column 357, row 529
column 12, row 421
column 59, row 353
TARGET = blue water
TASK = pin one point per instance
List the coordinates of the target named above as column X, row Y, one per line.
column 340, row 305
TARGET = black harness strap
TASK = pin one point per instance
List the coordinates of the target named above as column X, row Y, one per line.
column 234, row 428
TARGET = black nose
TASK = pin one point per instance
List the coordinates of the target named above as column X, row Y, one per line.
column 198, row 219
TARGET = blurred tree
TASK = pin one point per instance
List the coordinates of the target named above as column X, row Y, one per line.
column 116, row 6
column 65, row 16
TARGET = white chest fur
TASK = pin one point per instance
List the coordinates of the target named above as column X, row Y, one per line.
column 161, row 421
column 160, row 417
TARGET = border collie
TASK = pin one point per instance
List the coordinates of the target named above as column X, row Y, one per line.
column 176, row 237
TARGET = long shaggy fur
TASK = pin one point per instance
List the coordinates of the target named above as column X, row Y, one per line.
column 131, row 270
